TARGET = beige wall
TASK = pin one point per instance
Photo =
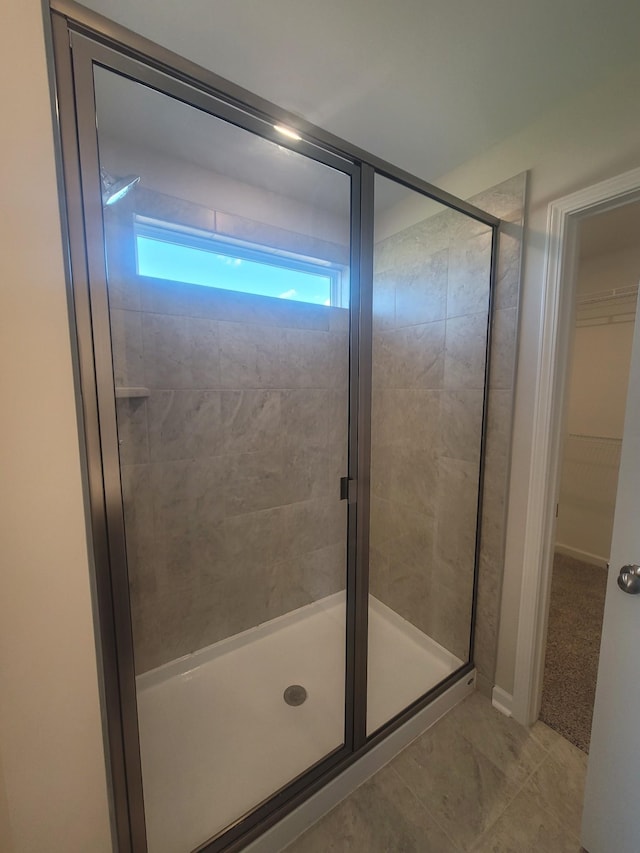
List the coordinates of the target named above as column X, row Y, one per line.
column 596, row 403
column 50, row 731
column 581, row 142
column 598, row 379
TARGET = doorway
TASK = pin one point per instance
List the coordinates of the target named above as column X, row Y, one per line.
column 606, row 287
column 561, row 255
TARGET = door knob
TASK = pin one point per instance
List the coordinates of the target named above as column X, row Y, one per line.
column 629, row 579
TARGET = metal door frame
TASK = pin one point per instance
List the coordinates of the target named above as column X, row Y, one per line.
column 81, row 39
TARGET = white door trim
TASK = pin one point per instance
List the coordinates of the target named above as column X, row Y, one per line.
column 558, row 305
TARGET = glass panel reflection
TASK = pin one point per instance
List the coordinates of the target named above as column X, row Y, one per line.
column 430, row 305
column 232, row 418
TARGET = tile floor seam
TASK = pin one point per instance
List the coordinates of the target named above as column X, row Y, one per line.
column 509, row 801
column 466, row 849
column 548, row 810
column 512, row 799
column 539, row 740
column 426, row 809
column 485, row 834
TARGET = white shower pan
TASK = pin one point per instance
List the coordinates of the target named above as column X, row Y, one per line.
column 217, row 737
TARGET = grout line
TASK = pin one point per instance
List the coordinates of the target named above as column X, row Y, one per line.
column 423, row 805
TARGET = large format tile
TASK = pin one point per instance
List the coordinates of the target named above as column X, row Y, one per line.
column 409, row 416
column 462, row 788
column 465, row 354
column 249, row 356
column 407, row 475
column 469, row 277
column 324, row 571
column 456, row 514
column 411, row 357
column 446, row 616
column 308, row 473
column 313, row 359
column 252, row 481
column 503, row 348
column 405, row 589
column 526, row 827
column 180, row 352
column 421, row 291
column 251, row 420
column 184, row 424
column 133, row 439
column 504, row 200
column 163, row 629
column 187, row 495
column 308, row 577
column 559, row 783
column 384, row 301
column 314, row 524
column 508, row 271
column 486, row 633
column 402, row 533
column 126, row 343
column 546, row 735
column 379, row 817
column 188, row 561
column 509, row 745
column 461, row 424
column 257, row 538
column 310, row 416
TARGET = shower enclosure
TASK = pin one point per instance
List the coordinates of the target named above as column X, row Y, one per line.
column 283, row 349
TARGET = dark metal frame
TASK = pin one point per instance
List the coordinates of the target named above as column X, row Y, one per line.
column 81, row 39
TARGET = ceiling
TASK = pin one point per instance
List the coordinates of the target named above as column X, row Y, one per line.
column 426, row 84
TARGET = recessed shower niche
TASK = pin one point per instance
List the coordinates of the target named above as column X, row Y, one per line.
column 283, row 349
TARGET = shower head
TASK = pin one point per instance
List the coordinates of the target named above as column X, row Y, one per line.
column 113, row 189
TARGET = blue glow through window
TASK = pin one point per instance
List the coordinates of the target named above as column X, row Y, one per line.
column 195, row 260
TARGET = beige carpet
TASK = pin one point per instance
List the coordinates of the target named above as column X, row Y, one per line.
column 573, row 646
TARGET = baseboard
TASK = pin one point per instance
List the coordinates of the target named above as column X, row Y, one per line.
column 585, row 556
column 502, row 701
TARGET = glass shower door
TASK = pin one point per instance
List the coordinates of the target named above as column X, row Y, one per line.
column 431, row 287
column 227, row 261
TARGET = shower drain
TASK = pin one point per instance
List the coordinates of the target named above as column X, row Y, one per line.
column 295, row 694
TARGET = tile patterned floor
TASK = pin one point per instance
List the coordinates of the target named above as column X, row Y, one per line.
column 476, row 782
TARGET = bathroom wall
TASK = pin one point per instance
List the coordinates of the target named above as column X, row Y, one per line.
column 430, row 303
column 172, row 176
column 231, row 465
column 596, row 403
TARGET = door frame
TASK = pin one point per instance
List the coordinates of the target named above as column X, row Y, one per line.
column 80, row 38
column 557, row 314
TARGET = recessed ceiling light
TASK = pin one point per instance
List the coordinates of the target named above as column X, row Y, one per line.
column 285, row 131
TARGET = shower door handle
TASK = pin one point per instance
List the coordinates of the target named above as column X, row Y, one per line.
column 629, row 579
column 347, row 489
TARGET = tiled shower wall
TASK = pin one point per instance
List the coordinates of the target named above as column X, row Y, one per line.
column 430, row 296
column 231, row 465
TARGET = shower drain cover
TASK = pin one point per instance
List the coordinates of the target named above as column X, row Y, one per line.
column 295, row 694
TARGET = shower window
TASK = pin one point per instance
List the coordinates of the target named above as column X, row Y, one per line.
column 166, row 251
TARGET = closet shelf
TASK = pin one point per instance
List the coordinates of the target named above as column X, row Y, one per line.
column 130, row 392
